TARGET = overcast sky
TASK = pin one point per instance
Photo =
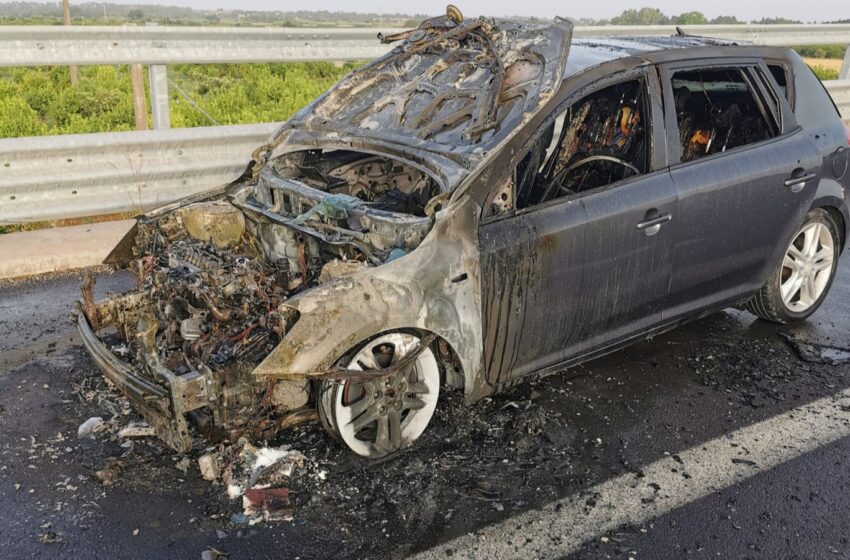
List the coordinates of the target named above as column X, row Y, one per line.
column 811, row 10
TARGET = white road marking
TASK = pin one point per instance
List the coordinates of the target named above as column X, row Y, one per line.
column 560, row 528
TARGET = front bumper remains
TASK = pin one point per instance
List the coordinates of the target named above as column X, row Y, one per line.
column 164, row 404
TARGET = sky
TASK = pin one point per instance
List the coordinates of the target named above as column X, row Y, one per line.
column 812, row 10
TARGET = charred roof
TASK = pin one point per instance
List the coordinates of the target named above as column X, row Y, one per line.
column 449, row 83
column 590, row 51
column 453, row 90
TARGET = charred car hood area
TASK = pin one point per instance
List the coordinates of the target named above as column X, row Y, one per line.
column 214, row 278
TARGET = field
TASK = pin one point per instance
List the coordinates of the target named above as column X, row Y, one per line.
column 826, row 68
column 41, row 101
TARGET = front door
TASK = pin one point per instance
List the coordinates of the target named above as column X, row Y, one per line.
column 584, row 260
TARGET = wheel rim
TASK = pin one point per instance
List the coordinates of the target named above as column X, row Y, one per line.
column 375, row 418
column 807, row 267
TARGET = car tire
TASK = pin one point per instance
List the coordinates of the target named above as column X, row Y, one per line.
column 802, row 280
column 379, row 417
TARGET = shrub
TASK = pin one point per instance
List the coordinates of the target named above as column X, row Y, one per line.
column 825, row 73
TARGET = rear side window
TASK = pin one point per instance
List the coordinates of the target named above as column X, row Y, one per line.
column 780, row 74
column 716, row 111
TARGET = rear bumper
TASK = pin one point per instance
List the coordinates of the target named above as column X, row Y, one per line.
column 163, row 404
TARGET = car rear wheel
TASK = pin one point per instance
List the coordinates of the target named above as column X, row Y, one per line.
column 378, row 417
column 800, row 283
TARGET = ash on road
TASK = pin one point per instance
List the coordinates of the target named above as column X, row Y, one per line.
column 475, row 466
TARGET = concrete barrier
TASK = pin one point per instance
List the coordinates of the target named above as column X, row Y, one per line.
column 29, row 253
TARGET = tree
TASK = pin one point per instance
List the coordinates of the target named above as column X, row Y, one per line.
column 774, row 21
column 644, row 16
column 136, row 14
column 689, row 18
column 725, row 20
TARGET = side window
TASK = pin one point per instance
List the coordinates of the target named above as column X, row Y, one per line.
column 780, row 74
column 598, row 140
column 717, row 111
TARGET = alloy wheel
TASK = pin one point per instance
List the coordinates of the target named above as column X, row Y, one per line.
column 378, row 417
column 807, row 267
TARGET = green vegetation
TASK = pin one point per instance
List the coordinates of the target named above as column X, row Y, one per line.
column 39, row 101
column 106, row 13
column 825, row 73
column 821, row 51
column 654, row 16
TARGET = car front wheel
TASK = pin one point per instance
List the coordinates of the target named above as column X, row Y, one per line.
column 800, row 283
column 381, row 415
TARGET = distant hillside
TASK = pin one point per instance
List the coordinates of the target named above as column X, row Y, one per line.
column 100, row 13
column 104, row 13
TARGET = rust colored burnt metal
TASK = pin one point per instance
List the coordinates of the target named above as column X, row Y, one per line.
column 338, row 373
column 88, row 305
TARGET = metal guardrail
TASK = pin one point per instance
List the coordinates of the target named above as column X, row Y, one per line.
column 55, row 45
column 158, row 46
column 840, row 92
column 56, row 177
column 53, row 177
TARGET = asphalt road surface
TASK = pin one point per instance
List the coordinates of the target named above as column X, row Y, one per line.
column 726, row 438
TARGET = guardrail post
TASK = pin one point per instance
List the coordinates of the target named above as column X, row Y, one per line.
column 66, row 16
column 844, row 73
column 140, row 110
column 158, row 76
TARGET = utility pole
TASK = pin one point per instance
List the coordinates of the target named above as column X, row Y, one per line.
column 66, row 14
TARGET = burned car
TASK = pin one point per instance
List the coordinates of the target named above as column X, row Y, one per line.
column 488, row 201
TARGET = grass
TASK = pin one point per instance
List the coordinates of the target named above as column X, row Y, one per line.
column 32, row 226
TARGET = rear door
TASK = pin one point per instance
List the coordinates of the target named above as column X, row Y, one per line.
column 576, row 271
column 745, row 175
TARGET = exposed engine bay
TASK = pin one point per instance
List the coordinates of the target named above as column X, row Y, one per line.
column 213, row 276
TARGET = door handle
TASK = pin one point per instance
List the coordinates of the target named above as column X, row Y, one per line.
column 652, row 226
column 799, row 178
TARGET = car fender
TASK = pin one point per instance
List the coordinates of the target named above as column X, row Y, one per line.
column 435, row 288
column 831, row 194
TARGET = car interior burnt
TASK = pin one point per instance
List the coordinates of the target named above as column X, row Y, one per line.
column 716, row 110
column 599, row 140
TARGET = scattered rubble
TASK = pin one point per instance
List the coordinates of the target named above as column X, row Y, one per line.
column 90, row 427
column 109, row 473
column 258, row 475
column 50, row 537
column 818, row 353
column 136, row 430
column 213, row 554
column 209, row 465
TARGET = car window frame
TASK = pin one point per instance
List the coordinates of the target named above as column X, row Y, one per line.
column 656, row 151
column 667, row 70
column 790, row 90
